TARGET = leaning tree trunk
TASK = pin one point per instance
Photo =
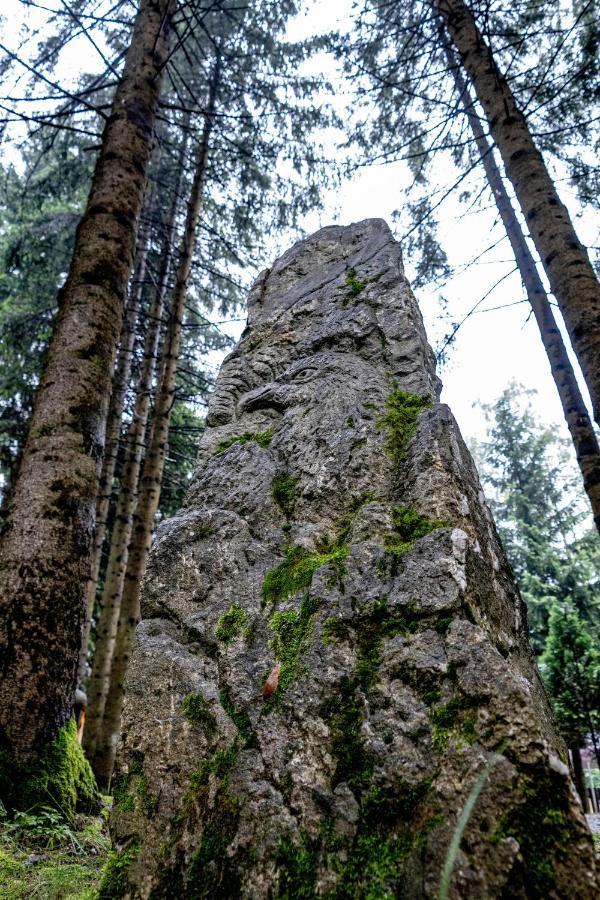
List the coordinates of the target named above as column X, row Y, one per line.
column 113, row 433
column 46, row 548
column 575, row 411
column 134, row 446
column 565, row 259
column 150, row 482
column 333, row 654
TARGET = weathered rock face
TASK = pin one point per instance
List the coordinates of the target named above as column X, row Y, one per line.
column 336, row 527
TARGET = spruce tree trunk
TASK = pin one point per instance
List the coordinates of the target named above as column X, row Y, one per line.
column 565, row 260
column 579, row 778
column 151, row 479
column 575, row 411
column 113, row 433
column 134, row 446
column 47, row 544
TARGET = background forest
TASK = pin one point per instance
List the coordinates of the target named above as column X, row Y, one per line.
column 472, row 127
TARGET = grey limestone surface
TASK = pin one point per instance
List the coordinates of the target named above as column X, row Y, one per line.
column 389, row 603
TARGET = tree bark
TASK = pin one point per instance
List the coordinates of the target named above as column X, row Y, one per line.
column 46, row 548
column 579, row 778
column 150, row 482
column 113, row 433
column 134, row 445
column 576, row 415
column 565, row 260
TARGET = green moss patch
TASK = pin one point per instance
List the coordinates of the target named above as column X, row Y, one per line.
column 345, row 713
column 284, row 493
column 292, row 632
column 240, row 719
column 457, row 719
column 262, row 438
column 400, row 421
column 231, row 624
column 296, row 572
column 115, row 876
column 209, row 874
column 355, row 286
column 409, row 526
column 196, row 710
column 297, row 868
column 60, row 777
column 541, row 826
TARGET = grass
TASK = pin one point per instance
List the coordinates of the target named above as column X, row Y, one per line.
column 42, row 856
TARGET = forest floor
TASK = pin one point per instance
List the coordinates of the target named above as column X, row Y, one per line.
column 42, row 857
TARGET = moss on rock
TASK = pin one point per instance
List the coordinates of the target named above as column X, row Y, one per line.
column 60, row 777
column 400, row 421
column 292, row 632
column 231, row 624
column 195, row 709
column 240, row 719
column 284, row 493
column 262, row 438
column 296, row 571
column 115, row 880
column 409, row 526
column 356, row 287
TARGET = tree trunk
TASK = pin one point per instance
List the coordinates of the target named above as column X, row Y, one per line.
column 578, row 420
column 579, row 778
column 113, row 433
column 46, row 548
column 134, row 445
column 150, row 482
column 565, row 260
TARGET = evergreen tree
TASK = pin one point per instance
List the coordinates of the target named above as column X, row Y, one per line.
column 570, row 667
column 540, row 515
column 416, row 64
column 46, row 543
column 39, row 209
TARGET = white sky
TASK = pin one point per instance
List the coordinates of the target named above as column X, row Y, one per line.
column 492, row 347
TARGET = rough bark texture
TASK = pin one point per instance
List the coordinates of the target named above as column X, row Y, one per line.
column 46, row 547
column 579, row 777
column 336, row 526
column 135, row 442
column 565, row 259
column 579, row 423
column 154, row 463
column 113, row 434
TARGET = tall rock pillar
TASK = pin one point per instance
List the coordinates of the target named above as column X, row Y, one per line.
column 333, row 649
